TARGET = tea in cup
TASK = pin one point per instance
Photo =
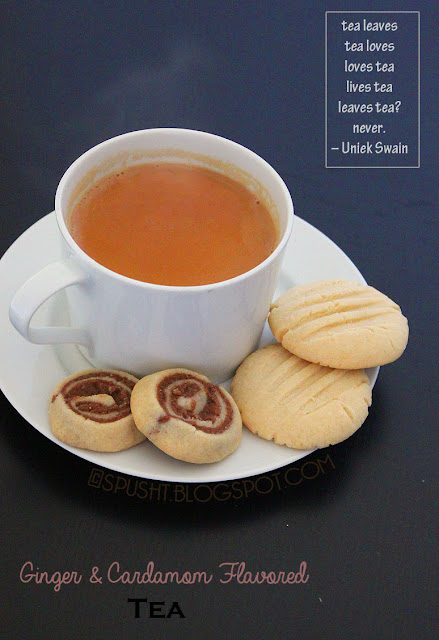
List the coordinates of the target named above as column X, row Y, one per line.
column 159, row 275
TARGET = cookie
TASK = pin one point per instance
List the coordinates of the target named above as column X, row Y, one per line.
column 187, row 416
column 339, row 324
column 91, row 410
column 299, row 404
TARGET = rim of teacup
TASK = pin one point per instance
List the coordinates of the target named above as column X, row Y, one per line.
column 76, row 249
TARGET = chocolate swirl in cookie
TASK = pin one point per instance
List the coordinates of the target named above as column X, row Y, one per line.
column 101, row 396
column 195, row 401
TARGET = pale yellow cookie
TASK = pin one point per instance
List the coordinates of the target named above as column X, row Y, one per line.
column 299, row 404
column 91, row 410
column 340, row 324
column 187, row 416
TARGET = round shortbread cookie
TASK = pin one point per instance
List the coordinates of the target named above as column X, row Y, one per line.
column 299, row 404
column 339, row 324
column 91, row 410
column 187, row 416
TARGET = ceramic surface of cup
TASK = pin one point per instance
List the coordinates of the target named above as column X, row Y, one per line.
column 139, row 327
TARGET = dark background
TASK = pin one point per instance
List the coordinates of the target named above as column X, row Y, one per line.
column 75, row 73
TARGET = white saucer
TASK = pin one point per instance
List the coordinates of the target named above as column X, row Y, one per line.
column 29, row 372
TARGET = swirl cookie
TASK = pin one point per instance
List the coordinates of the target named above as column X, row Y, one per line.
column 299, row 404
column 91, row 410
column 187, row 416
column 339, row 324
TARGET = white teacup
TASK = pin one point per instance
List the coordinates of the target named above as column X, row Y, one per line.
column 121, row 323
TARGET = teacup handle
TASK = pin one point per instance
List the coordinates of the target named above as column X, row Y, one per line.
column 35, row 291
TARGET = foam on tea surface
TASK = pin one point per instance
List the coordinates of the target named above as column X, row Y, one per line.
column 172, row 223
